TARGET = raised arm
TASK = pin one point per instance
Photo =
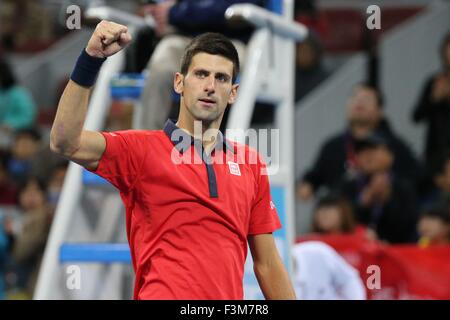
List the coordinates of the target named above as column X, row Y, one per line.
column 67, row 137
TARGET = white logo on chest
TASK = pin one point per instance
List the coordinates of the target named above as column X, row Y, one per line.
column 234, row 168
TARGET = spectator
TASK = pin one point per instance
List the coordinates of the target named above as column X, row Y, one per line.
column 381, row 200
column 333, row 214
column 337, row 156
column 434, row 225
column 141, row 49
column 17, row 109
column 309, row 71
column 433, row 108
column 179, row 21
column 23, row 152
column 30, row 243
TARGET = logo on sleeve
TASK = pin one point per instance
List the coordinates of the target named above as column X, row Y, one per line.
column 234, row 168
column 272, row 205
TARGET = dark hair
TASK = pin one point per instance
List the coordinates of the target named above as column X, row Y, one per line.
column 371, row 142
column 30, row 132
column 336, row 200
column 42, row 185
column 7, row 79
column 211, row 43
column 441, row 210
column 375, row 89
column 444, row 44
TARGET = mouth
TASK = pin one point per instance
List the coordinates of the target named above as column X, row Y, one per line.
column 207, row 102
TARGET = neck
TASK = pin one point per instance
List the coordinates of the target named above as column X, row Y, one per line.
column 206, row 131
column 360, row 130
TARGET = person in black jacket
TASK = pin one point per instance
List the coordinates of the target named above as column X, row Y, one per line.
column 337, row 156
column 381, row 200
column 433, row 108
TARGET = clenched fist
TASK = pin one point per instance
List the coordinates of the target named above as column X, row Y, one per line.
column 108, row 39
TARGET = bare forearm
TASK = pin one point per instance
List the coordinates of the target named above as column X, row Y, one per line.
column 274, row 281
column 68, row 125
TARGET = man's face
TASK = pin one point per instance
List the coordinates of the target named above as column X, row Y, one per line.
column 24, row 147
column 207, row 88
column 374, row 160
column 363, row 108
column 32, row 197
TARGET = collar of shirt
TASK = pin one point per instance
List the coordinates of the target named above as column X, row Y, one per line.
column 182, row 140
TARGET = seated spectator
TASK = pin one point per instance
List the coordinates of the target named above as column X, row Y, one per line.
column 333, row 214
column 23, row 152
column 29, row 244
column 141, row 48
column 433, row 108
column 434, row 225
column 381, row 200
column 337, row 156
column 309, row 70
column 177, row 22
column 17, row 109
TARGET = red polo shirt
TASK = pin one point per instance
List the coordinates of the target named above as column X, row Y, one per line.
column 187, row 223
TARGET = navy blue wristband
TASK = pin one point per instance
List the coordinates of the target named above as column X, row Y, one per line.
column 86, row 69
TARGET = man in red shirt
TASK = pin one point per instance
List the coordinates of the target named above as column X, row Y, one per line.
column 193, row 199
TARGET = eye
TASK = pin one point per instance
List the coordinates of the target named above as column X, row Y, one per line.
column 201, row 74
column 222, row 77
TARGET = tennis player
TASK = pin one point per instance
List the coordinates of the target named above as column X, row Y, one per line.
column 188, row 222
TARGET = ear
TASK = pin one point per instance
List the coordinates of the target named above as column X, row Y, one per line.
column 178, row 83
column 233, row 94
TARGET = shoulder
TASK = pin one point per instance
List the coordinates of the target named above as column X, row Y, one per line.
column 136, row 140
column 134, row 135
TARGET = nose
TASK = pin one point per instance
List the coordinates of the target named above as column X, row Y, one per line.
column 210, row 84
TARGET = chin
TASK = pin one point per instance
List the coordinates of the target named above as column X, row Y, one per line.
column 206, row 116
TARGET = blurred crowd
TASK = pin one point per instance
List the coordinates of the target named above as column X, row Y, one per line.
column 31, row 180
column 365, row 179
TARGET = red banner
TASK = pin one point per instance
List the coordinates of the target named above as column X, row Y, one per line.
column 405, row 271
